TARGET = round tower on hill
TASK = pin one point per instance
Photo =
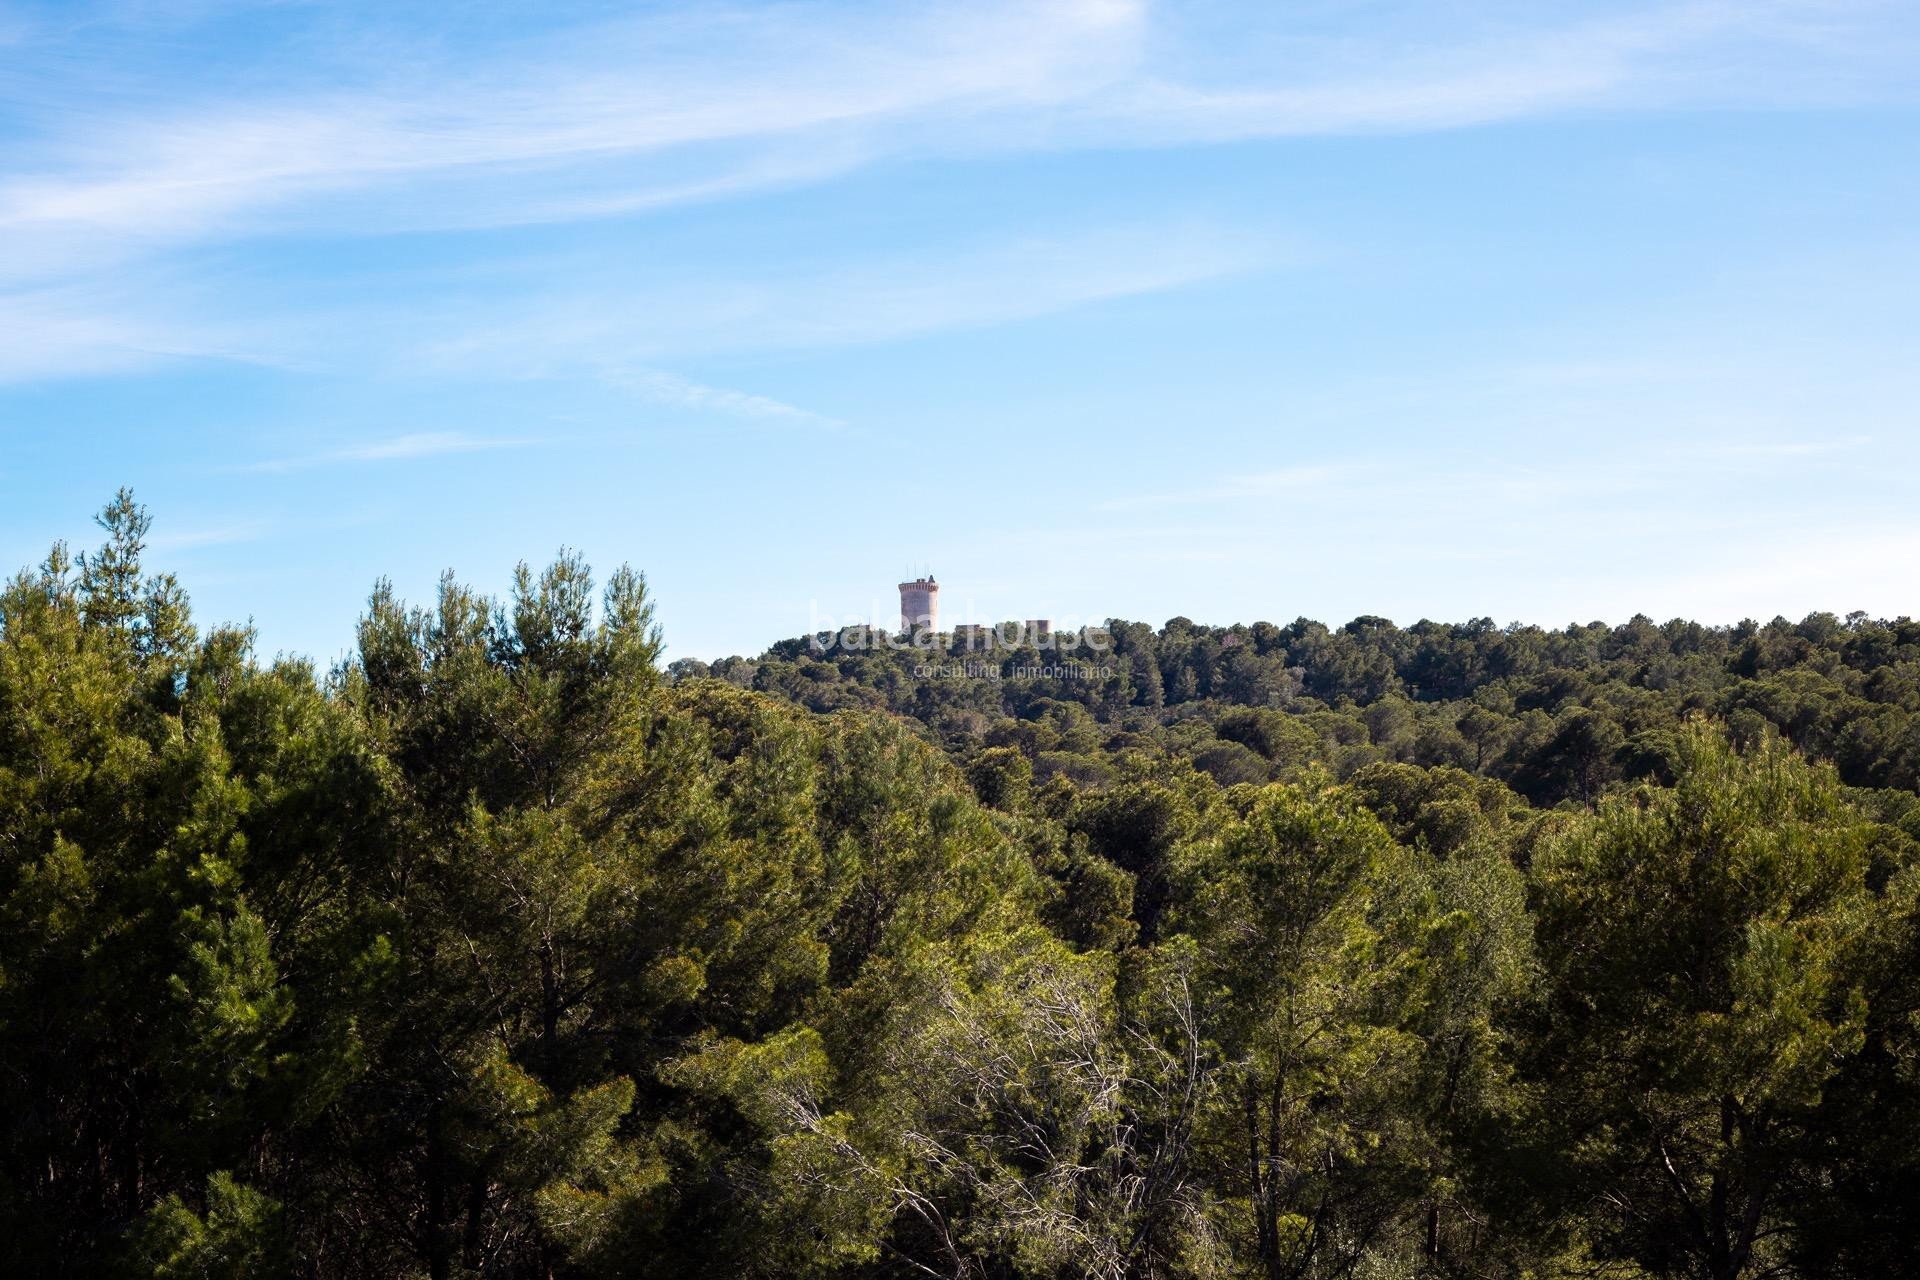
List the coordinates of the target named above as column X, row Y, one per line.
column 919, row 605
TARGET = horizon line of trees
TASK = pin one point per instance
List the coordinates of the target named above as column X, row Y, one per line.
column 1557, row 715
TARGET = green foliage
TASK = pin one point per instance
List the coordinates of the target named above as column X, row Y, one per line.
column 1449, row 952
column 1559, row 716
column 1700, row 948
column 1310, row 988
column 240, row 1235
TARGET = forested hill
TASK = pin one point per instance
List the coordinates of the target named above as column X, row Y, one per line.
column 498, row 952
column 1556, row 715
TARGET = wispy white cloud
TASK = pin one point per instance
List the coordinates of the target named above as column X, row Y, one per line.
column 1782, row 450
column 616, row 117
column 613, row 322
column 670, row 388
column 587, row 122
column 98, row 325
column 1599, row 479
column 606, row 119
column 1468, row 69
column 220, row 535
column 635, row 318
column 516, row 132
column 1257, row 485
column 431, row 444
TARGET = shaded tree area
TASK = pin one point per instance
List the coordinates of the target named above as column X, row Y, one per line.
column 498, row 951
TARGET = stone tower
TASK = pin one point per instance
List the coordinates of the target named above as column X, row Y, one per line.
column 919, row 605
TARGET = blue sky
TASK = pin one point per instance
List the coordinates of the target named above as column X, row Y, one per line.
column 1544, row 312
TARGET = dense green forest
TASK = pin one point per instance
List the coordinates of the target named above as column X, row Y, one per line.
column 1555, row 715
column 501, row 950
